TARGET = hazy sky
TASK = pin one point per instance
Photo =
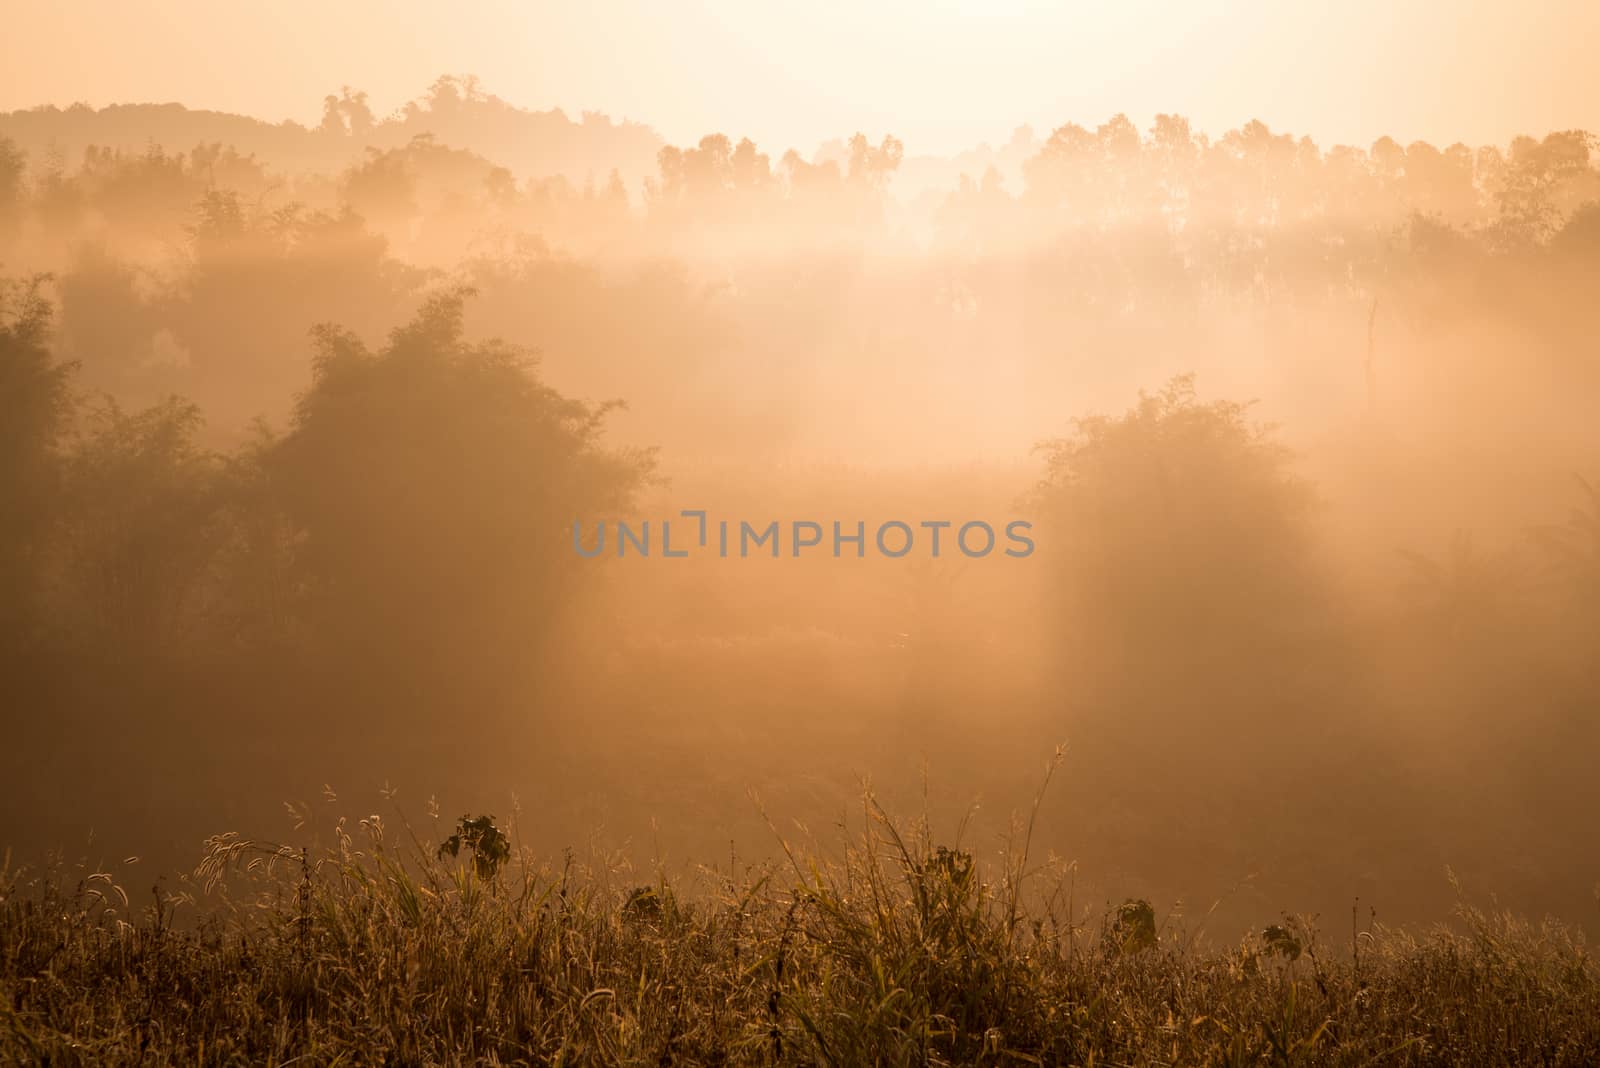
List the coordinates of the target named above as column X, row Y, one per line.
column 940, row 75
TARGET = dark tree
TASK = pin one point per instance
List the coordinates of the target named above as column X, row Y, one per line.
column 436, row 481
column 35, row 406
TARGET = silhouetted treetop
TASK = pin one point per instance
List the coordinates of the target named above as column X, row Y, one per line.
column 440, row 477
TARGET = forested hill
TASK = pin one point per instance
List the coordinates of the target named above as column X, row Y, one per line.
column 454, row 111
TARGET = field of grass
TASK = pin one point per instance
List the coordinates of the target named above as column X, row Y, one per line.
column 401, row 946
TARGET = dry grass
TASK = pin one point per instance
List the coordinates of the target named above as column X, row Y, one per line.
column 375, row 949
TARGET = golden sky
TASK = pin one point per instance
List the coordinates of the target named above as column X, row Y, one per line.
column 940, row 75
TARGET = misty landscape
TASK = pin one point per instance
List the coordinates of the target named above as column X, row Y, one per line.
column 328, row 736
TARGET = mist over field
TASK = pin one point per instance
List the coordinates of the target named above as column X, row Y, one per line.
column 296, row 422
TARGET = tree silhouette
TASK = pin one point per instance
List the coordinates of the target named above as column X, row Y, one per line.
column 1178, row 518
column 141, row 536
column 35, row 405
column 436, row 481
column 13, row 162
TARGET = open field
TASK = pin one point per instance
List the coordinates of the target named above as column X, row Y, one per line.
column 886, row 949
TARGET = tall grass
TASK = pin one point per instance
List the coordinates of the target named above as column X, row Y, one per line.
column 884, row 946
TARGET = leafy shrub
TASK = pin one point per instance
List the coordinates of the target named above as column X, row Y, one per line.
column 487, row 843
